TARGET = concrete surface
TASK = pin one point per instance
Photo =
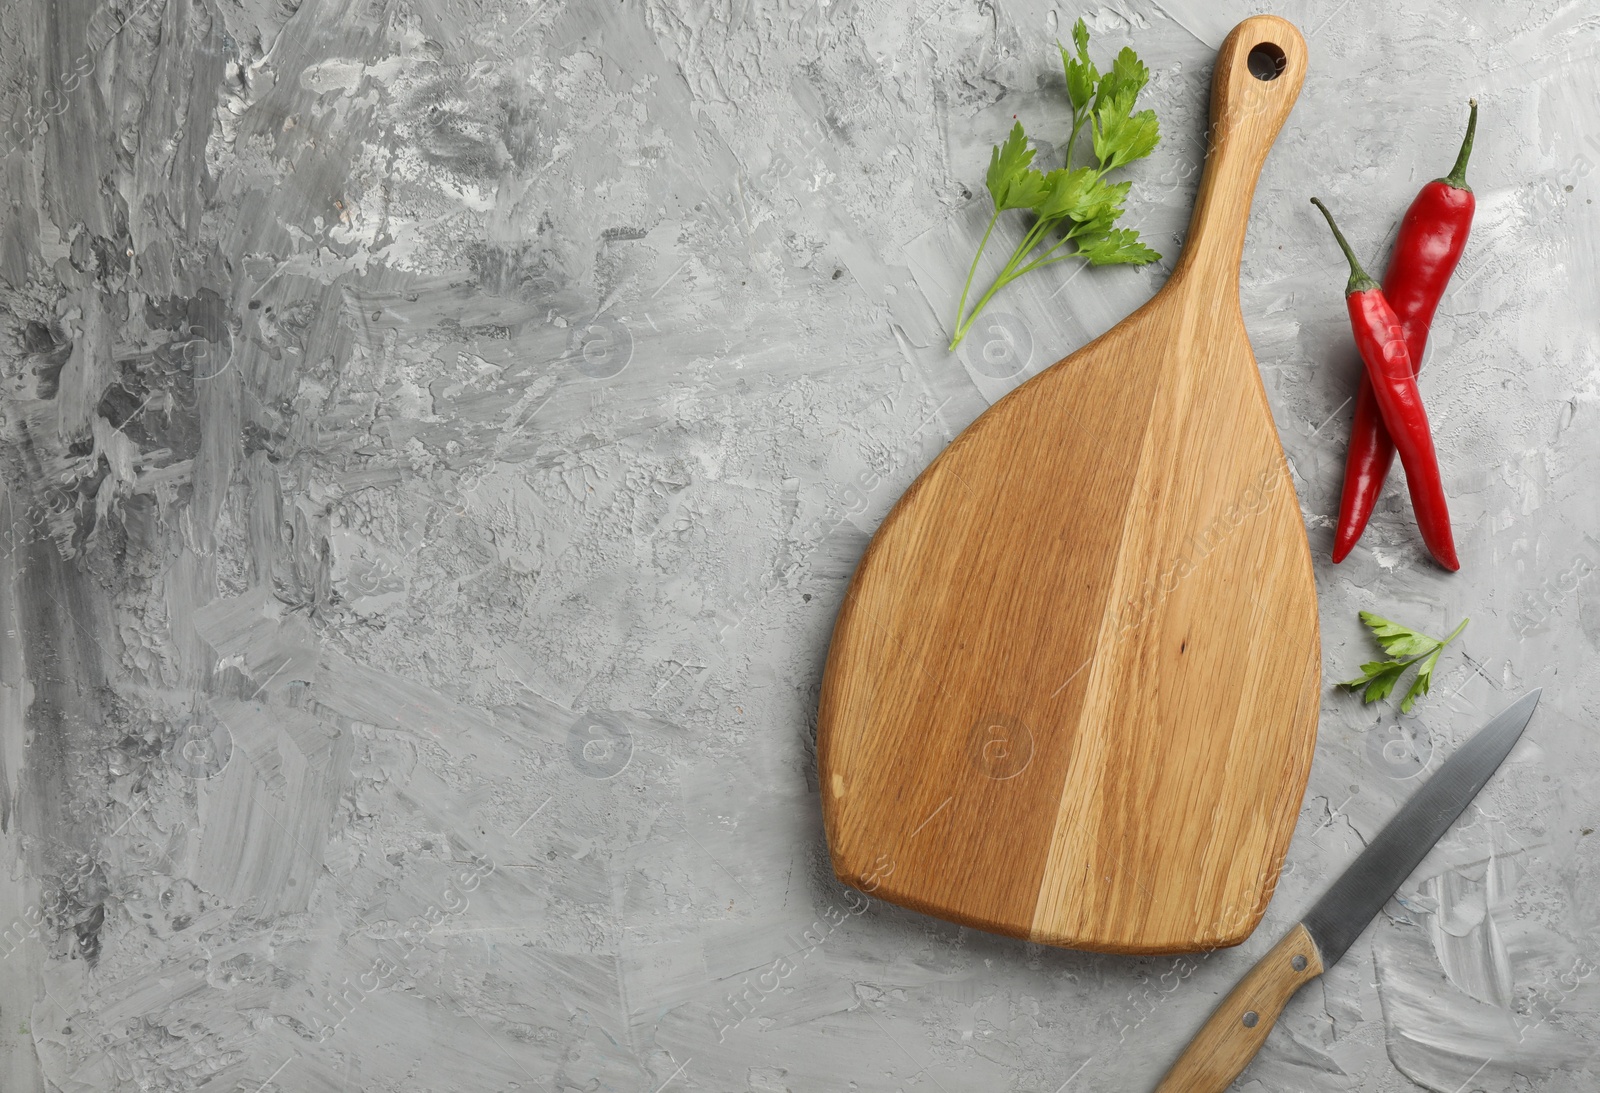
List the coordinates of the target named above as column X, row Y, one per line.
column 436, row 439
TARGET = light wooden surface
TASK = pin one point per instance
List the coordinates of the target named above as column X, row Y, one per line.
column 1231, row 1036
column 1072, row 693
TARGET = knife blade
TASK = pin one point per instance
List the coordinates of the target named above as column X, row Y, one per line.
column 1239, row 1026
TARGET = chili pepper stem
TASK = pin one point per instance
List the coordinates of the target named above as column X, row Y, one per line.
column 1359, row 281
column 1458, row 174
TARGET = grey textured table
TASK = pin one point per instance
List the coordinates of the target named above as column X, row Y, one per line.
column 438, row 434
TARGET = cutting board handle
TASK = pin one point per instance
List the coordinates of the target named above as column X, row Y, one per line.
column 1260, row 69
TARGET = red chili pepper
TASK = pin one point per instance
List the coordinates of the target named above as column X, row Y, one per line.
column 1382, row 342
column 1432, row 237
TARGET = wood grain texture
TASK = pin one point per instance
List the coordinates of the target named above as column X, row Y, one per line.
column 1072, row 692
column 1238, row 1027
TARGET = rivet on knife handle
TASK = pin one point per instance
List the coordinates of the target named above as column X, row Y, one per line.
column 1238, row 1028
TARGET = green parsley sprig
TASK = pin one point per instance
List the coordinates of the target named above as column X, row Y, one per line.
column 1075, row 204
column 1407, row 647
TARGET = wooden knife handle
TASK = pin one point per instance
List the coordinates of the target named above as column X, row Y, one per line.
column 1259, row 71
column 1238, row 1028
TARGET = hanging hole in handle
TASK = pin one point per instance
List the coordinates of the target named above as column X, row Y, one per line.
column 1266, row 61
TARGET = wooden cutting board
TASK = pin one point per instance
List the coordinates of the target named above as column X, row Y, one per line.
column 1072, row 693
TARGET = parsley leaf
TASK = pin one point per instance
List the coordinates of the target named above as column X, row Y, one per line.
column 1118, row 247
column 1397, row 640
column 1424, row 680
column 1070, row 194
column 1121, row 136
column 1011, row 181
column 1379, row 677
column 1103, row 207
column 1072, row 205
column 1128, row 76
column 1405, row 647
column 1083, row 78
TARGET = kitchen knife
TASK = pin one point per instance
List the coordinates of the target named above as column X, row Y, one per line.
column 1236, row 1031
